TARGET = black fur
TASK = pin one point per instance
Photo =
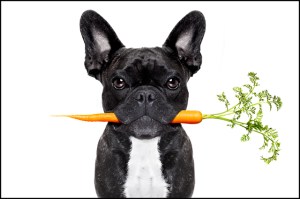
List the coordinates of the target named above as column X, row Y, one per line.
column 145, row 105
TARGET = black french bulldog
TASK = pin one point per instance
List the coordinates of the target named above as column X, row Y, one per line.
column 144, row 155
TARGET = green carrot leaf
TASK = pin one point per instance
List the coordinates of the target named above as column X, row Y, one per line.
column 250, row 105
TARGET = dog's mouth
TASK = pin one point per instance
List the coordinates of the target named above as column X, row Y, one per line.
column 145, row 127
column 129, row 116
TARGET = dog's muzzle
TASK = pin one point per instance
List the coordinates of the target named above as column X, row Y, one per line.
column 145, row 111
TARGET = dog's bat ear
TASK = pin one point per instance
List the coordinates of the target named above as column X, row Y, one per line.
column 100, row 42
column 185, row 39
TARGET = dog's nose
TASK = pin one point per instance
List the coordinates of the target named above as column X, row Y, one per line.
column 145, row 97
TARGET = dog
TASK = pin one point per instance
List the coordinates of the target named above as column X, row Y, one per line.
column 143, row 155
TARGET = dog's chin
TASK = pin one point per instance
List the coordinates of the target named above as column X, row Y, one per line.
column 144, row 127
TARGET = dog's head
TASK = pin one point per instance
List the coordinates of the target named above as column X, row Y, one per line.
column 144, row 87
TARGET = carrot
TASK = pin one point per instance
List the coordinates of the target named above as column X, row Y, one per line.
column 184, row 116
column 188, row 117
column 99, row 117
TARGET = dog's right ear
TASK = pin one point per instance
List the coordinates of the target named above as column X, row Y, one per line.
column 100, row 42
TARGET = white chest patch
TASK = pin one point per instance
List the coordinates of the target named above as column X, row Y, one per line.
column 145, row 177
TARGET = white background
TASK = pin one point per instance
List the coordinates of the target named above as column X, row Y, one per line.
column 43, row 74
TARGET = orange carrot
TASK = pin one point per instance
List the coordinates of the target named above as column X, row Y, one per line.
column 188, row 117
column 184, row 116
column 99, row 117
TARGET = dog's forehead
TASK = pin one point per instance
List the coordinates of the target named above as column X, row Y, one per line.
column 146, row 59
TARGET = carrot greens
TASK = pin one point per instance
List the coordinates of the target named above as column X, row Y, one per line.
column 249, row 105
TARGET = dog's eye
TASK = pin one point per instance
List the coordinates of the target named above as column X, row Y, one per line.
column 173, row 83
column 118, row 83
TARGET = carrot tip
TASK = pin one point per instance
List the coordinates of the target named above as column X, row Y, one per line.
column 100, row 117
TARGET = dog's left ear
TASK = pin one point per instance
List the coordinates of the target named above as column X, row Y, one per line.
column 100, row 42
column 185, row 39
